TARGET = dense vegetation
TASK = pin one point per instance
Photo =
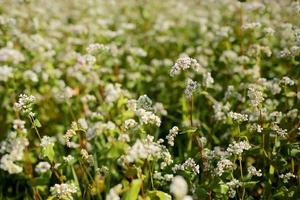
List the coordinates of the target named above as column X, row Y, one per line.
column 148, row 99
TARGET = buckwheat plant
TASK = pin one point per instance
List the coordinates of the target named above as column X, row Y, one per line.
column 142, row 100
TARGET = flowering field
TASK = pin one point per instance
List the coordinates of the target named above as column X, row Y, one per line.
column 149, row 99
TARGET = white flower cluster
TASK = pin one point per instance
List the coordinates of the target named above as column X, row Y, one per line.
column 8, row 54
column 70, row 133
column 19, row 125
column 47, row 141
column 256, row 96
column 239, row 117
column 237, row 148
column 42, row 167
column 68, row 159
column 251, row 26
column 130, row 124
column 287, row 81
column 286, row 177
column 224, row 164
column 86, row 156
column 254, row 172
column 143, row 109
column 281, row 132
column 14, row 146
column 172, row 134
column 255, row 128
column 95, row 47
column 113, row 92
column 220, row 111
column 114, row 192
column 189, row 164
column 25, row 104
column 158, row 176
column 159, row 109
column 184, row 63
column 179, row 188
column 63, row 191
column 190, row 87
column 233, row 185
column 145, row 149
column 207, row 80
column 148, row 117
column 5, row 73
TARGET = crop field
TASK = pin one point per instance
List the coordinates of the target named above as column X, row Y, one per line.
column 149, row 99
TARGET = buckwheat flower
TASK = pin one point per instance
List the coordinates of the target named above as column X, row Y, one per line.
column 233, row 185
column 144, row 102
column 172, row 134
column 130, row 123
column 112, row 92
column 142, row 150
column 191, row 86
column 114, row 192
column 251, row 26
column 238, row 116
column 85, row 155
column 69, row 158
column 256, row 96
column 292, row 113
column 238, row 148
column 224, row 164
column 219, row 110
column 47, row 141
column 7, row 164
column 179, row 187
column 281, row 132
column 96, row 47
column 137, row 51
column 42, row 167
column 31, row 76
column 132, row 105
column 269, row 31
column 254, row 172
column 5, row 73
column 86, row 59
column 25, row 104
column 285, row 53
column 70, row 133
column 229, row 56
column 83, row 123
column 276, row 116
column 159, row 108
column 182, row 64
column 286, row 177
column 63, row 191
column 123, row 137
column 8, row 54
column 189, row 164
column 19, row 125
column 259, row 128
column 147, row 117
column 287, row 81
column 207, row 80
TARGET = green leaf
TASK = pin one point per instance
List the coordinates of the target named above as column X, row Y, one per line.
column 37, row 123
column 116, row 150
column 250, row 184
column 159, row 195
column 49, row 152
column 272, row 169
column 133, row 191
column 76, row 181
column 295, row 152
